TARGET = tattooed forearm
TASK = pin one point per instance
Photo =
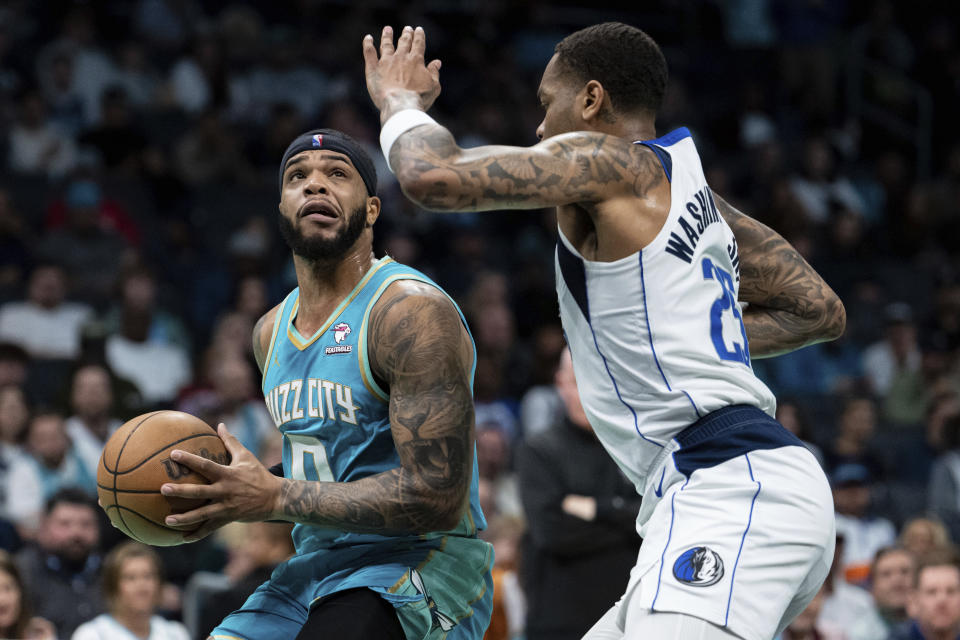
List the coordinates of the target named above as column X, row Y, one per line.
column 581, row 168
column 419, row 348
column 790, row 304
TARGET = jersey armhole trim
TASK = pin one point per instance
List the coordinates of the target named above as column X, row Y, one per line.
column 277, row 321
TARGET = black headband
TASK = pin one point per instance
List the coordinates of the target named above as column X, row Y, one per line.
column 333, row 140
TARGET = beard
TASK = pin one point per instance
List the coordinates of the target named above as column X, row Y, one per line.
column 323, row 249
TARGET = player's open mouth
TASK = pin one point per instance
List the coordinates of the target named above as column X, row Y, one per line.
column 320, row 208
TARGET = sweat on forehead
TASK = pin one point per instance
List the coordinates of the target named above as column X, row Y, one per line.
column 338, row 142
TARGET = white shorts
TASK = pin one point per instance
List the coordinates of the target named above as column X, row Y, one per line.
column 738, row 527
column 744, row 544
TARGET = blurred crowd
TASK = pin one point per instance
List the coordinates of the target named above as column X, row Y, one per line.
column 138, row 245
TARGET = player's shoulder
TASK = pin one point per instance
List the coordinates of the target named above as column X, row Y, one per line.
column 262, row 332
column 411, row 299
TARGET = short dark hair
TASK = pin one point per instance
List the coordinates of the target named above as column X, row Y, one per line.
column 624, row 59
column 70, row 495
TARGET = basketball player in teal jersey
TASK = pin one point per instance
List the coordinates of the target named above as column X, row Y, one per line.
column 367, row 370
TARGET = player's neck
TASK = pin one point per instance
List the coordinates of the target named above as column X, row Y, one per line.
column 323, row 285
column 639, row 128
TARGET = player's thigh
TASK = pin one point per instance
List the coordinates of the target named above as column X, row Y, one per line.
column 643, row 624
column 353, row 614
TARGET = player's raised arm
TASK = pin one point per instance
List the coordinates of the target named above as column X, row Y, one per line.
column 790, row 304
column 573, row 168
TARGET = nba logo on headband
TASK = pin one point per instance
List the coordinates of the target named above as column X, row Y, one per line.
column 318, row 140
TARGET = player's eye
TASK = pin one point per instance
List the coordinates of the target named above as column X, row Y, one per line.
column 296, row 175
column 339, row 173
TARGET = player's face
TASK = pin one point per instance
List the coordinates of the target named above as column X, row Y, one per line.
column 324, row 207
column 557, row 98
column 139, row 585
column 936, row 601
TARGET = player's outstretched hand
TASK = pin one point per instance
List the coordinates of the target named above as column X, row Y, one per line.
column 400, row 71
column 244, row 490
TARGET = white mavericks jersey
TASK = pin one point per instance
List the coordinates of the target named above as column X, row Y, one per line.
column 657, row 338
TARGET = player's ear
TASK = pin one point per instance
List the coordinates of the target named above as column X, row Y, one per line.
column 373, row 210
column 592, row 97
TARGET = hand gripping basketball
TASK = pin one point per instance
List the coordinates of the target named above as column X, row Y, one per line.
column 244, row 490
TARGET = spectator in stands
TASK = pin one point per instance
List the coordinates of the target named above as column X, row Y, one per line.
column 45, row 324
column 863, row 534
column 36, row 145
column 494, row 468
column 582, row 514
column 509, row 603
column 856, row 427
column 15, row 248
column 138, row 304
column 16, row 620
column 62, row 570
column 809, row 625
column 233, row 401
column 57, row 459
column 790, row 415
column 844, row 603
column 21, row 486
column 263, row 546
column 13, row 364
column 923, row 536
column 89, row 251
column 820, row 188
column 897, row 355
column 934, row 603
column 14, row 415
column 159, row 368
column 116, row 139
column 92, row 422
column 132, row 576
column 943, row 491
column 891, row 580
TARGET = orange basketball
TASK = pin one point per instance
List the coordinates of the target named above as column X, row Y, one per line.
column 136, row 462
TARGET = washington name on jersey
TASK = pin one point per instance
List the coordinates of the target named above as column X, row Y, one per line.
column 657, row 337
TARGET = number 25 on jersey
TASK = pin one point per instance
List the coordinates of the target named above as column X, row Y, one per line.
column 727, row 302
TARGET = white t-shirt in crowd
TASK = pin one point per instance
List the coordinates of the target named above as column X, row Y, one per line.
column 105, row 627
column 44, row 333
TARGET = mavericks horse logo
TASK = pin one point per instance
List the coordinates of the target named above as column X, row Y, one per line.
column 698, row 567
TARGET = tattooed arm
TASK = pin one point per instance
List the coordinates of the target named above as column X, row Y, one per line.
column 421, row 350
column 574, row 168
column 419, row 347
column 790, row 304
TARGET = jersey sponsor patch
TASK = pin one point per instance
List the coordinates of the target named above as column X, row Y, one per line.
column 698, row 567
column 340, row 332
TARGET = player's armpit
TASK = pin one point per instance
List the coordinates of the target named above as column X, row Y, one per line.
column 790, row 304
column 573, row 168
column 420, row 349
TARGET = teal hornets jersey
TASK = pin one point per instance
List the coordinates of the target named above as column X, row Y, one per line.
column 334, row 417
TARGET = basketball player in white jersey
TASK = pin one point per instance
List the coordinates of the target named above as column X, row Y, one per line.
column 737, row 518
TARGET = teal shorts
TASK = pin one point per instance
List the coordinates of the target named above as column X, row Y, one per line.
column 441, row 588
